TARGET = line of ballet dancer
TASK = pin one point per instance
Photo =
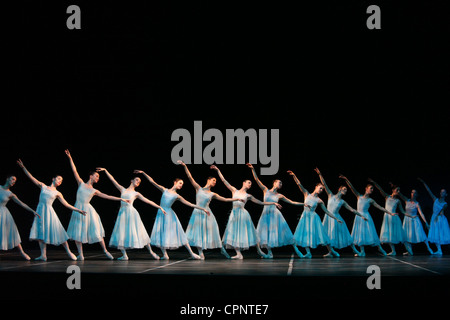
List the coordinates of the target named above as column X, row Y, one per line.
column 202, row 232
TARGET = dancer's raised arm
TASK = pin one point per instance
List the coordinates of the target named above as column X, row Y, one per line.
column 302, row 188
column 328, row 191
column 160, row 187
column 383, row 193
column 428, row 189
column 188, row 173
column 115, row 183
column 255, row 176
column 74, row 169
column 227, row 184
column 28, row 174
column 356, row 193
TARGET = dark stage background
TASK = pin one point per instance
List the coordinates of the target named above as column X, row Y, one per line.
column 364, row 103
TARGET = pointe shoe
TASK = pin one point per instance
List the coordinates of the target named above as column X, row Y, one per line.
column 154, row 255
column 382, row 251
column 224, row 252
column 165, row 257
column 328, row 255
column 123, row 258
column 196, row 257
column 72, row 256
column 392, row 253
column 237, row 257
column 109, row 255
column 300, row 255
column 80, row 257
column 335, row 253
column 41, row 258
column 308, row 255
column 25, row 256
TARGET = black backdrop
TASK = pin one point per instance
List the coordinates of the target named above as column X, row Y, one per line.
column 364, row 103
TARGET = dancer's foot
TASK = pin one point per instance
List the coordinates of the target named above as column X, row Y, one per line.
column 25, row 256
column 224, row 252
column 308, row 255
column 109, row 255
column 297, row 251
column 380, row 249
column 41, row 258
column 237, row 256
column 80, row 257
column 196, row 256
column 72, row 256
column 165, row 257
column 123, row 258
column 328, row 255
column 392, row 253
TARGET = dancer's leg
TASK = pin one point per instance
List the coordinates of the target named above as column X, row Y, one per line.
column 124, row 256
column 331, row 252
column 355, row 251
column 297, row 251
column 200, row 253
column 193, row 255
column 80, row 250
column 102, row 244
column 238, row 254
column 69, row 253
column 308, row 253
column 381, row 250
column 224, row 252
column 24, row 255
column 428, row 247
column 165, row 255
column 392, row 253
column 260, row 252
column 154, row 255
column 43, row 248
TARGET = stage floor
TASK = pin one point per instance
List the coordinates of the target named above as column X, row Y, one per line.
column 286, row 277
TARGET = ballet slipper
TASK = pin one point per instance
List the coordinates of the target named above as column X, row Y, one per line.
column 109, row 255
column 154, row 255
column 80, row 257
column 25, row 256
column 328, row 255
column 237, row 257
column 165, row 257
column 392, row 253
column 41, row 258
column 72, row 256
column 299, row 254
column 380, row 249
column 224, row 252
column 308, row 255
column 123, row 258
column 196, row 256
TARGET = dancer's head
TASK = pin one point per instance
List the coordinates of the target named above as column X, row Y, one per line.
column 10, row 180
column 178, row 183
column 443, row 193
column 211, row 181
column 135, row 182
column 343, row 190
column 94, row 176
column 414, row 194
column 277, row 184
column 57, row 180
column 246, row 184
column 369, row 189
column 395, row 189
column 319, row 188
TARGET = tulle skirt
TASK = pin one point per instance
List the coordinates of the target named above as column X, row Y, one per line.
column 129, row 231
column 240, row 231
column 413, row 229
column 391, row 230
column 203, row 231
column 9, row 235
column 338, row 233
column 439, row 230
column 310, row 231
column 364, row 232
column 48, row 228
column 167, row 231
column 85, row 228
column 273, row 230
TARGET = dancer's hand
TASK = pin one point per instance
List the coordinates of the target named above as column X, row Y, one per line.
column 213, row 167
column 82, row 212
column 126, row 200
column 36, row 214
column 207, row 212
column 68, row 153
column 20, row 163
column 249, row 165
column 98, row 169
column 138, row 171
column 163, row 211
column 278, row 205
column 181, row 162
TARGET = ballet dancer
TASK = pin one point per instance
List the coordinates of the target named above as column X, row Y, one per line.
column 240, row 233
column 310, row 232
column 48, row 229
column 412, row 227
column 363, row 231
column 129, row 231
column 338, row 233
column 9, row 235
column 167, row 231
column 439, row 232
column 203, row 231
column 87, row 228
column 391, row 228
column 272, row 229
